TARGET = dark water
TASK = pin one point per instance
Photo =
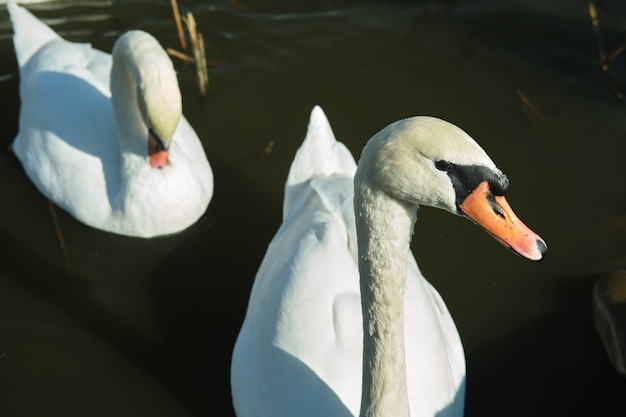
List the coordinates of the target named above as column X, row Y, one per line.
column 123, row 326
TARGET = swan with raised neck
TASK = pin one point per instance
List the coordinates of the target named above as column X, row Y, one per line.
column 340, row 321
column 428, row 161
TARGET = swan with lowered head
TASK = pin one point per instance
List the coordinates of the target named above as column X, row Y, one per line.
column 340, row 321
column 103, row 136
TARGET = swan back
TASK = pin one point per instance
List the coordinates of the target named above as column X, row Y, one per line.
column 30, row 34
column 319, row 155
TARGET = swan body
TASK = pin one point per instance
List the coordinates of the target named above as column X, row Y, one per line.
column 103, row 136
column 341, row 322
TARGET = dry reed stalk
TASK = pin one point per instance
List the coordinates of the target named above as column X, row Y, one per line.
column 188, row 58
column 180, row 55
column 203, row 73
column 179, row 24
column 197, row 44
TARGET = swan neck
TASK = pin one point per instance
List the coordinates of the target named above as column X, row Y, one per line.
column 384, row 229
column 126, row 107
column 144, row 92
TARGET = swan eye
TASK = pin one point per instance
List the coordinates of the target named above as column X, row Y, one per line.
column 442, row 165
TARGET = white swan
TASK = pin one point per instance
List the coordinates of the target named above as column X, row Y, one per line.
column 301, row 349
column 121, row 158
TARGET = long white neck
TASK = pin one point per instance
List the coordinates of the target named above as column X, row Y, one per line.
column 144, row 92
column 132, row 132
column 384, row 228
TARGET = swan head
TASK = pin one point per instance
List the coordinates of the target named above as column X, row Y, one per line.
column 145, row 91
column 424, row 160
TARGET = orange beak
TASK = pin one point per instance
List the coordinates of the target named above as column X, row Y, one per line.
column 157, row 156
column 494, row 214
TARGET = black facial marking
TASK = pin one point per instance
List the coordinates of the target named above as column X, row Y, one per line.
column 465, row 179
column 159, row 142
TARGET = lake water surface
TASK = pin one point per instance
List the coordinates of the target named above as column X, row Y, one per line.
column 129, row 327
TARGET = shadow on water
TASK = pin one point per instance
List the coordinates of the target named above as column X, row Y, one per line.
column 200, row 305
column 73, row 296
column 554, row 365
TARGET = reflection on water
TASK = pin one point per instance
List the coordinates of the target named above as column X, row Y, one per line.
column 126, row 326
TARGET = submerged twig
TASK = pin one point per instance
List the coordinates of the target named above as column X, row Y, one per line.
column 266, row 150
column 57, row 228
column 238, row 5
column 613, row 55
column 595, row 23
column 531, row 111
column 614, row 88
column 604, row 61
